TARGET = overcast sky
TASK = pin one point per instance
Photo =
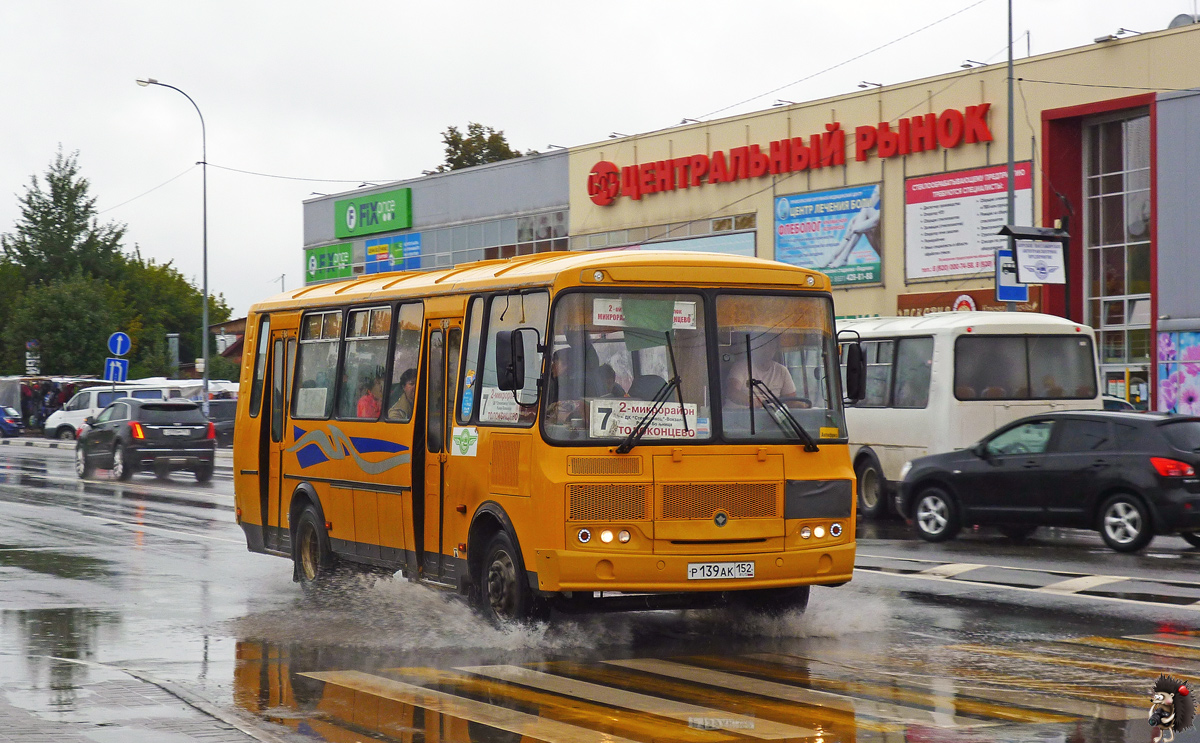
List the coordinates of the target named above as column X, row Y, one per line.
column 361, row 91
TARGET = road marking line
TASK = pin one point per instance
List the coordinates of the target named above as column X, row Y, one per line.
column 520, row 723
column 1162, row 638
column 687, row 713
column 775, row 690
column 952, row 569
column 1082, row 583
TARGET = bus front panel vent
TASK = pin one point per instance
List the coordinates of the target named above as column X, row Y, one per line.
column 741, row 500
column 594, row 466
column 608, row 502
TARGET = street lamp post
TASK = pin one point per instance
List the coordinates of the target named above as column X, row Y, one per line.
column 204, row 233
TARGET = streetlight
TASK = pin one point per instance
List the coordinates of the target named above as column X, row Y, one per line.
column 204, row 173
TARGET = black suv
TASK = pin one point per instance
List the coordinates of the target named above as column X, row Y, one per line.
column 222, row 414
column 1127, row 475
column 153, row 434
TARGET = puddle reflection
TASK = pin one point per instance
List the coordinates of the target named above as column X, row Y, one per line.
column 48, row 635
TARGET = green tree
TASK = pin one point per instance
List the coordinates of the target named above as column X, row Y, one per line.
column 480, row 145
column 222, row 368
column 58, row 232
column 72, row 338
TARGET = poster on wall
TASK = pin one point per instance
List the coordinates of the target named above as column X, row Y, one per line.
column 393, row 253
column 951, row 220
column 835, row 232
column 328, row 262
column 1179, row 373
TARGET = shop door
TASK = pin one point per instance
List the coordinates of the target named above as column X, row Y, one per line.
column 283, row 350
column 444, row 337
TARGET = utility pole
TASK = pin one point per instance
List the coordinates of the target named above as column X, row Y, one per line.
column 1012, row 204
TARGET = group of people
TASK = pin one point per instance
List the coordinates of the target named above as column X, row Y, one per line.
column 369, row 402
column 40, row 399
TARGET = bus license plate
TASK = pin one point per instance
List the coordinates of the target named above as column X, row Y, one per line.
column 720, row 570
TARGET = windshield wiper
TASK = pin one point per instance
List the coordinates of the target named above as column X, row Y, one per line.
column 778, row 408
column 660, row 399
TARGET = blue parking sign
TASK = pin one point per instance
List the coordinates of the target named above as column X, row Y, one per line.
column 116, row 370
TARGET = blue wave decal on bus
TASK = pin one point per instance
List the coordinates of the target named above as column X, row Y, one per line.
column 315, row 447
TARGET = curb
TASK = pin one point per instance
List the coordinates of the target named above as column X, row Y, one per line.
column 222, row 454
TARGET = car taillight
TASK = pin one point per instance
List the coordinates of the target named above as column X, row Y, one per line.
column 212, row 431
column 78, row 432
column 9, row 421
column 138, row 433
column 1172, row 467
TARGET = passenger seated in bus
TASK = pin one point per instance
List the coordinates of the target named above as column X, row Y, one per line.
column 564, row 393
column 767, row 370
column 608, row 382
column 405, row 391
column 370, row 403
column 1050, row 388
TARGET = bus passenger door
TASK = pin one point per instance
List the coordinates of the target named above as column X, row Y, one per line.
column 283, row 351
column 444, row 338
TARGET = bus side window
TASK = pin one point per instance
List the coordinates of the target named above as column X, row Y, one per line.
column 260, row 364
column 914, row 368
column 316, row 364
column 402, row 393
column 879, row 373
column 365, row 365
column 466, row 409
column 509, row 312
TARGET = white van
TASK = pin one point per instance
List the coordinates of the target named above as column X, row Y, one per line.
column 63, row 423
column 942, row 381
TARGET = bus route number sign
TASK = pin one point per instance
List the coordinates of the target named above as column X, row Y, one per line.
column 720, row 570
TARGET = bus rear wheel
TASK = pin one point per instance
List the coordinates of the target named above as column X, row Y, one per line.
column 315, row 561
column 872, row 490
column 504, row 593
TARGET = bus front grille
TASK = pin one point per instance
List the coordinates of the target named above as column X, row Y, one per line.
column 607, row 502
column 594, row 466
column 745, row 500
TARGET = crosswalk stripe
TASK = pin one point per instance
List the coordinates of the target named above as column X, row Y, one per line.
column 570, row 711
column 1176, row 653
column 1083, row 583
column 1110, row 668
column 689, row 713
column 951, row 569
column 865, row 707
column 832, row 676
column 520, row 723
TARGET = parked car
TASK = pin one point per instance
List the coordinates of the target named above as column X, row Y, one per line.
column 222, row 414
column 1128, row 475
column 1112, row 402
column 10, row 422
column 161, row 435
column 65, row 423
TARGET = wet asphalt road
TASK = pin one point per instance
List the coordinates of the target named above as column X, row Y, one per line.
column 134, row 612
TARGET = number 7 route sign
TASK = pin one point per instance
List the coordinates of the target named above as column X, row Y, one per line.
column 116, row 370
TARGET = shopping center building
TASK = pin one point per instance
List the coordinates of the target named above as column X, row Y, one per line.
column 896, row 191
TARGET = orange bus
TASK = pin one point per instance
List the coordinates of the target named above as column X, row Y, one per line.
column 579, row 431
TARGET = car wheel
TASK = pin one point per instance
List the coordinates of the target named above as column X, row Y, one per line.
column 316, row 565
column 1191, row 537
column 936, row 515
column 773, row 601
column 1125, row 523
column 203, row 473
column 872, row 490
column 66, row 433
column 1017, row 533
column 504, row 593
column 83, row 466
column 122, row 469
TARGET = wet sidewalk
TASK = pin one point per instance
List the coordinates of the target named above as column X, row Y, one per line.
column 120, row 709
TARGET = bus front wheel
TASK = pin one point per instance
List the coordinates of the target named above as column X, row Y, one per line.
column 504, row 593
column 315, row 561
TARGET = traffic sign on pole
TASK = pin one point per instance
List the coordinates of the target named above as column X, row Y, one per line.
column 119, row 344
column 116, row 370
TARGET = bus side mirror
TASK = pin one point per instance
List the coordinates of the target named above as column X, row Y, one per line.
column 510, row 360
column 856, row 372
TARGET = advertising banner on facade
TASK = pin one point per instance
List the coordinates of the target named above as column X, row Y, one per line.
column 961, row 300
column 951, row 220
column 393, row 253
column 835, row 232
column 328, row 262
column 367, row 215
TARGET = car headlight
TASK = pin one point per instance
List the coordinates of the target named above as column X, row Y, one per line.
column 905, row 470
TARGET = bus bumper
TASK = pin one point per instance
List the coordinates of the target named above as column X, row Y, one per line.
column 567, row 570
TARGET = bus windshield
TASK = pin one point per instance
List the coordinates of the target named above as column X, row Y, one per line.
column 614, row 356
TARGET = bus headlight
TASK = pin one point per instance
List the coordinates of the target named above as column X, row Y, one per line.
column 805, row 533
column 905, row 470
column 606, row 536
column 819, row 532
column 623, row 536
column 585, row 536
column 835, row 530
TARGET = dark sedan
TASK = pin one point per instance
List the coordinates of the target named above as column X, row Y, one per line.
column 157, row 435
column 1127, row 475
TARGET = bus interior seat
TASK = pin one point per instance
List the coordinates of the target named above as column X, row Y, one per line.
column 994, row 392
column 963, row 392
column 646, row 386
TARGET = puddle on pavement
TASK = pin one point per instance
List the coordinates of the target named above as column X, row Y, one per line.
column 39, row 638
column 50, row 562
